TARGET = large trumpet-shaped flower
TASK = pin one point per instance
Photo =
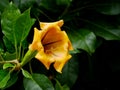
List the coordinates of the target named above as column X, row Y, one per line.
column 52, row 44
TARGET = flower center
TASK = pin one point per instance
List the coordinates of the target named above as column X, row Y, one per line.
column 50, row 47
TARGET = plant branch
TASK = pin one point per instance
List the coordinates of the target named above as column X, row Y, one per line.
column 11, row 61
column 65, row 11
column 1, row 58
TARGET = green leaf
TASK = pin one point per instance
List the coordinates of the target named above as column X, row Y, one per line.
column 39, row 82
column 43, row 81
column 83, row 39
column 59, row 87
column 16, row 26
column 12, row 80
column 9, row 16
column 48, row 4
column 65, row 87
column 104, row 29
column 22, row 26
column 71, row 69
column 4, row 77
column 9, row 56
column 1, row 58
column 3, row 4
column 25, row 44
column 111, row 7
column 25, row 4
column 2, row 73
column 59, row 5
column 1, row 46
column 63, row 2
column 7, row 65
column 9, row 46
column 31, row 85
column 26, row 74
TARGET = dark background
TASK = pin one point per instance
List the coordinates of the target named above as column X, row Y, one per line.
column 105, row 73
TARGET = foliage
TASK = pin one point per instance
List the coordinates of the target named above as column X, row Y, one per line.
column 88, row 23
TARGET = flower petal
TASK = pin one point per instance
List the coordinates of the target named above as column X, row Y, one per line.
column 58, row 23
column 36, row 44
column 45, row 60
column 70, row 47
column 60, row 56
column 59, row 64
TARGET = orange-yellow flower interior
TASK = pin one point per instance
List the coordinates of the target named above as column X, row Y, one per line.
column 52, row 44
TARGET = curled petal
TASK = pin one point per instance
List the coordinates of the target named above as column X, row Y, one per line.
column 45, row 60
column 70, row 47
column 36, row 44
column 59, row 64
column 58, row 23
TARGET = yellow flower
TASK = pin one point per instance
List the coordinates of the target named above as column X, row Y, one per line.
column 52, row 44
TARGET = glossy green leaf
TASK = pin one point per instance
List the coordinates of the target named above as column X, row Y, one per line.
column 43, row 81
column 12, row 80
column 111, row 7
column 25, row 44
column 25, row 4
column 23, row 25
column 65, row 87
column 1, row 46
column 71, row 69
column 104, row 29
column 9, row 56
column 7, row 65
column 31, row 85
column 3, row 4
column 58, row 86
column 8, row 45
column 83, row 39
column 63, row 2
column 26, row 74
column 9, row 16
column 2, row 73
column 1, row 58
column 4, row 77
column 47, row 5
column 39, row 82
column 16, row 26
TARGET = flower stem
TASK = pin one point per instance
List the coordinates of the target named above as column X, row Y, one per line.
column 19, row 56
column 28, row 56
